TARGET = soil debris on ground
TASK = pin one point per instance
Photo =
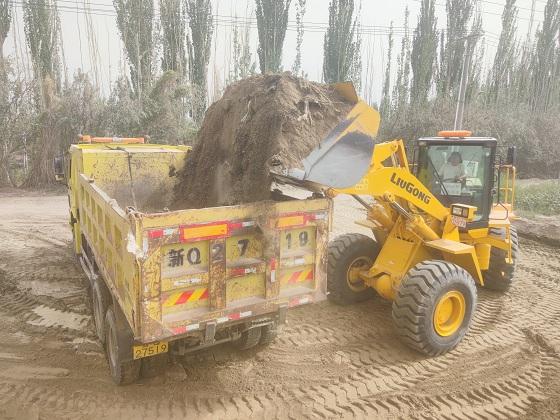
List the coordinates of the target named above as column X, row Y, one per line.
column 260, row 122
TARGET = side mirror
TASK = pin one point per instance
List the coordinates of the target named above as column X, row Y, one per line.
column 58, row 164
column 511, row 155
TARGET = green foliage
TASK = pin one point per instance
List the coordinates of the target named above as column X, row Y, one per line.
column 272, row 22
column 341, row 47
column 172, row 18
column 199, row 41
column 539, row 198
column 401, row 90
column 243, row 64
column 135, row 23
column 300, row 13
column 41, row 23
column 424, row 52
column 5, row 20
column 385, row 108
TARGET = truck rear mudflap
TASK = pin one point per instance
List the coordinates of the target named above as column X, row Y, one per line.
column 206, row 269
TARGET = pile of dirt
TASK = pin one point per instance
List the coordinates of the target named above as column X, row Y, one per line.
column 260, row 122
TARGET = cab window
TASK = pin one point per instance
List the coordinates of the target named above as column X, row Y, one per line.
column 458, row 174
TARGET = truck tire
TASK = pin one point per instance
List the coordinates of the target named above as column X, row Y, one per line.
column 100, row 302
column 434, row 306
column 347, row 254
column 122, row 372
column 248, row 339
column 154, row 365
column 499, row 275
column 268, row 334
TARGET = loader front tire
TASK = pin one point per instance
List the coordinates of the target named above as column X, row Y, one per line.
column 349, row 254
column 499, row 275
column 122, row 372
column 434, row 306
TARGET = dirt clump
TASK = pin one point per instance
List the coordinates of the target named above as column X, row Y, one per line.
column 261, row 121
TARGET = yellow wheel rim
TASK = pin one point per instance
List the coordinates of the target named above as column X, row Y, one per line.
column 355, row 282
column 449, row 313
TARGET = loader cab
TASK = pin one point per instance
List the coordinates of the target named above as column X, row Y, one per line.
column 459, row 170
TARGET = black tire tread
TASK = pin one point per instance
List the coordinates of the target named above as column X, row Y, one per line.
column 412, row 304
column 338, row 249
column 249, row 338
column 126, row 372
column 268, row 334
column 500, row 274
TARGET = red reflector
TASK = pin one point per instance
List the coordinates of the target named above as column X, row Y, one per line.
column 155, row 234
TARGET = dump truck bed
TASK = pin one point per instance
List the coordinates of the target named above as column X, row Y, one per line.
column 192, row 272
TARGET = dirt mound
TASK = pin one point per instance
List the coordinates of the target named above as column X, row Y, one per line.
column 259, row 122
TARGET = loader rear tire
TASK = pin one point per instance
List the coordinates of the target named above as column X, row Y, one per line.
column 348, row 254
column 434, row 306
column 499, row 275
column 249, row 338
column 122, row 372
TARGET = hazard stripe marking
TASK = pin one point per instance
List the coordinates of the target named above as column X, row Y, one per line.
column 297, row 276
column 185, row 297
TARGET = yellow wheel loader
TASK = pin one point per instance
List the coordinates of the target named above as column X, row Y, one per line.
column 441, row 225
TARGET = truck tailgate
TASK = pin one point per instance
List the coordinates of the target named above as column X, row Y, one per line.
column 220, row 265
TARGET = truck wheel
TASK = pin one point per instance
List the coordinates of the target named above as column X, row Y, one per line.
column 248, row 339
column 100, row 303
column 349, row 254
column 499, row 275
column 154, row 365
column 268, row 334
column 434, row 306
column 121, row 372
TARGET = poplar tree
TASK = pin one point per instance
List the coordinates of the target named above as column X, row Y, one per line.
column 300, row 12
column 459, row 13
column 135, row 23
column 40, row 19
column 5, row 21
column 424, row 52
column 199, row 41
column 401, row 90
column 545, row 64
column 272, row 22
column 504, row 61
column 172, row 17
column 385, row 108
column 341, row 48
column 243, row 64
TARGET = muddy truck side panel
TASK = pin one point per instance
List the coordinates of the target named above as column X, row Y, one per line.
column 193, row 278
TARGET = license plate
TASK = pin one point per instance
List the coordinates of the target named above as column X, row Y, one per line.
column 147, row 350
column 459, row 221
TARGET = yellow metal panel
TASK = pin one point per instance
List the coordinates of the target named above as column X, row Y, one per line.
column 451, row 247
column 290, row 221
column 297, row 240
column 184, row 259
column 252, row 285
column 204, row 231
column 243, row 247
column 297, row 276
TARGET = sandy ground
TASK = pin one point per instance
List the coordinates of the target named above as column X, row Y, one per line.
column 329, row 361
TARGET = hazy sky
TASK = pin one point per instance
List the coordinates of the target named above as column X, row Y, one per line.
column 91, row 41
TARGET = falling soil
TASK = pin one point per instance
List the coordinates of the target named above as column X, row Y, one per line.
column 259, row 123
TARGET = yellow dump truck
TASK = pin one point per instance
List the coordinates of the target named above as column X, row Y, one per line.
column 177, row 281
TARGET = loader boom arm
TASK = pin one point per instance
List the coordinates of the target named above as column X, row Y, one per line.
column 396, row 180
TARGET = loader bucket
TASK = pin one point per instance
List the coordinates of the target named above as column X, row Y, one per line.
column 343, row 158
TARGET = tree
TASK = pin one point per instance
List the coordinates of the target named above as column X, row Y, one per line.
column 5, row 20
column 199, row 40
column 341, row 48
column 401, row 90
column 504, row 60
column 272, row 22
column 300, row 12
column 135, row 23
column 40, row 18
column 424, row 52
column 385, row 108
column 243, row 64
column 459, row 13
column 172, row 19
column 545, row 64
